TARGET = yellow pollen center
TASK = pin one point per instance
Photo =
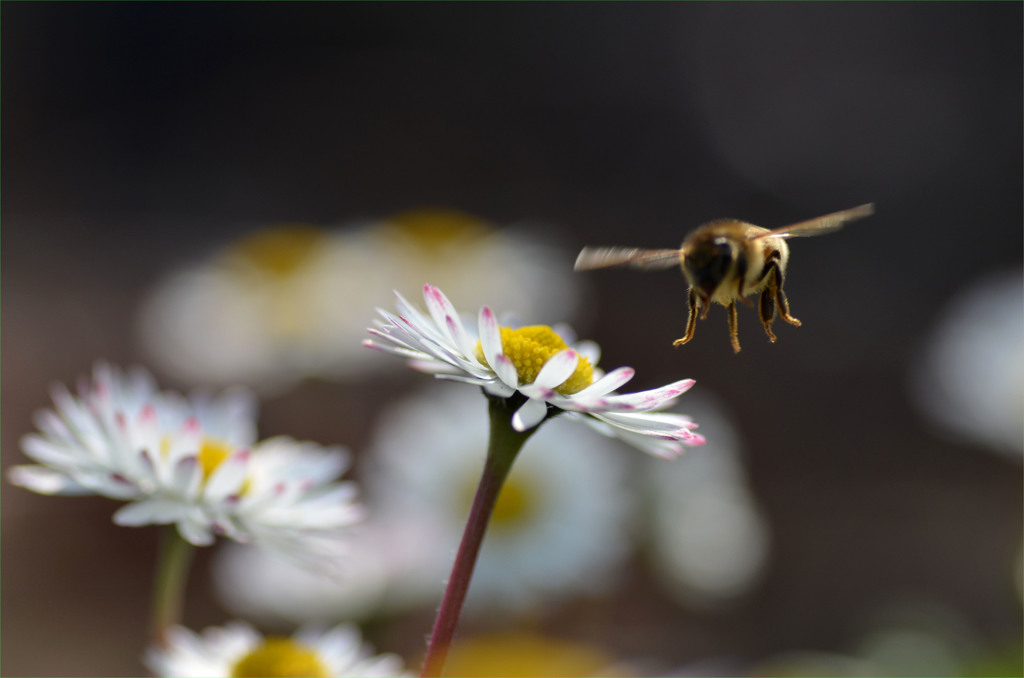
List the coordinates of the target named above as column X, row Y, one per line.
column 212, row 453
column 530, row 347
column 280, row 657
column 279, row 251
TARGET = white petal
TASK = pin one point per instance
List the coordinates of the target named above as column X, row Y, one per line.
column 557, row 369
column 499, row 389
column 446, row 317
column 641, row 401
column 186, row 477
column 149, row 512
column 490, row 341
column 195, row 532
column 45, row 480
column 228, row 478
column 529, row 415
column 42, row 450
column 606, row 384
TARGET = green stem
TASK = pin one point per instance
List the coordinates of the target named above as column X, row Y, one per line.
column 504, row 445
column 169, row 587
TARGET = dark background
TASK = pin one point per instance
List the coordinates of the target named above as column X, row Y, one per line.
column 136, row 135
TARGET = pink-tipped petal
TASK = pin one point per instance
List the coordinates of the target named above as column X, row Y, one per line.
column 615, row 379
column 490, row 342
column 441, row 310
column 653, row 399
column 557, row 369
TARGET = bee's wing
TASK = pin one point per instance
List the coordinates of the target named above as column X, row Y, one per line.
column 602, row 257
column 821, row 225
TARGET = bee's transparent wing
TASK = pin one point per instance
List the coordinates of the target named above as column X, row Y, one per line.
column 821, row 225
column 603, row 257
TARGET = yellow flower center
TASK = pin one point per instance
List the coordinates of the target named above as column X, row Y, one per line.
column 434, row 229
column 279, row 251
column 530, row 347
column 280, row 657
column 212, row 453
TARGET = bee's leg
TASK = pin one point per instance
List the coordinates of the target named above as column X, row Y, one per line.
column 691, row 322
column 766, row 309
column 776, row 287
column 733, row 333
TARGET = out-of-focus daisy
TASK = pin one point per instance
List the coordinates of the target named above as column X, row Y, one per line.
column 290, row 301
column 510, row 267
column 538, row 366
column 237, row 649
column 969, row 378
column 709, row 540
column 273, row 307
column 561, row 526
column 190, row 462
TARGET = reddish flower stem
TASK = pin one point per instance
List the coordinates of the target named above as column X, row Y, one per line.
column 502, row 449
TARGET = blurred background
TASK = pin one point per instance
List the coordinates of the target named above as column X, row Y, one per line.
column 170, row 170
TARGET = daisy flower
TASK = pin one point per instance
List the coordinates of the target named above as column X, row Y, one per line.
column 536, row 365
column 968, row 375
column 289, row 301
column 191, row 462
column 237, row 649
column 560, row 527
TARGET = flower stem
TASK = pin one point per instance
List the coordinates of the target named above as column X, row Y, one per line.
column 169, row 586
column 504, row 445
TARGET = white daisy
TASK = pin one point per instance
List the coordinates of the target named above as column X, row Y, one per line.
column 191, row 462
column 538, row 366
column 290, row 301
column 237, row 649
column 968, row 378
column 560, row 528
column 272, row 307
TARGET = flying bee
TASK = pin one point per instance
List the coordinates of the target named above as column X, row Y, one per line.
column 728, row 260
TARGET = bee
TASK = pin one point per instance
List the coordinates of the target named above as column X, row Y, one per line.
column 726, row 261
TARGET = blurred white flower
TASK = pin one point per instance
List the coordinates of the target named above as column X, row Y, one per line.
column 968, row 380
column 536, row 364
column 511, row 267
column 709, row 540
column 191, row 462
column 275, row 306
column 237, row 649
column 291, row 301
column 560, row 527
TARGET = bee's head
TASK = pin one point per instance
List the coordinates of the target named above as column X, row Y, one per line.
column 710, row 261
